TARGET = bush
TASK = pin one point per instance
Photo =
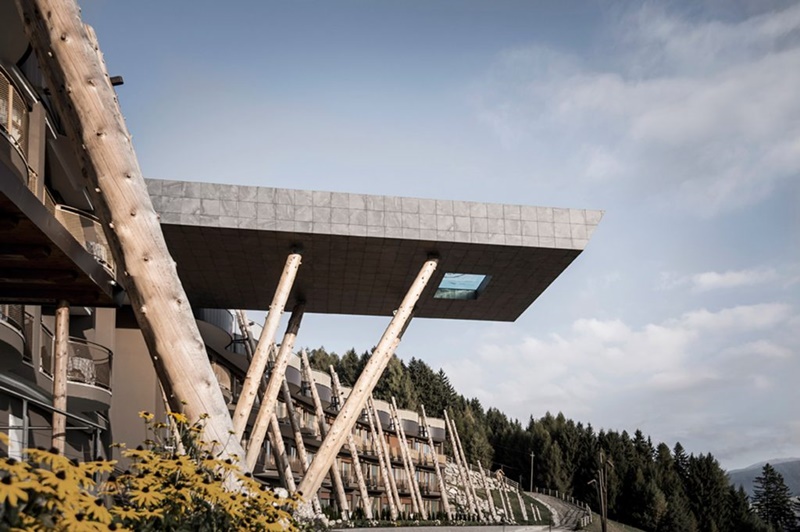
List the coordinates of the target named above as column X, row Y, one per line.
column 162, row 489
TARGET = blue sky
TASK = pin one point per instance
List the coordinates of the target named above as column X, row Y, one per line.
column 680, row 119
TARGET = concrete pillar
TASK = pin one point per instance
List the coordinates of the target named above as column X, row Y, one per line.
column 415, row 491
column 348, row 415
column 488, row 490
column 256, row 370
column 366, row 502
column 336, row 476
column 384, row 460
column 269, row 398
column 439, row 476
column 61, row 358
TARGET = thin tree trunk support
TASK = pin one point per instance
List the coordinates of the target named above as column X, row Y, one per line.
column 462, row 471
column 281, row 458
column 348, row 415
column 294, row 421
column 87, row 106
column 470, row 485
column 509, row 514
column 384, row 461
column 439, row 476
column 366, row 501
column 415, row 491
column 60, row 359
column 522, row 506
column 336, row 476
column 488, row 490
column 387, row 454
column 269, row 397
column 261, row 355
column 404, row 458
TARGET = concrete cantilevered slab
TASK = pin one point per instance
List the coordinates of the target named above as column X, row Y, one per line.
column 361, row 252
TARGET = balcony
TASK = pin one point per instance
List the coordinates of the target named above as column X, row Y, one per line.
column 14, row 344
column 14, row 124
column 88, row 371
column 86, row 229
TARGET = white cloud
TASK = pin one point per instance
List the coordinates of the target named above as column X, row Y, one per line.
column 712, row 280
column 676, row 379
column 704, row 114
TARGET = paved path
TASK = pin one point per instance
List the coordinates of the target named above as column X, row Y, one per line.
column 565, row 515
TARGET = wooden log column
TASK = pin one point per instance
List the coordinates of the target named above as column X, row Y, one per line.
column 437, row 469
column 261, row 355
column 470, row 484
column 414, row 484
column 294, row 421
column 60, row 360
column 366, row 502
column 488, row 490
column 384, row 460
column 82, row 95
column 336, row 476
column 269, row 397
column 366, row 382
column 462, row 471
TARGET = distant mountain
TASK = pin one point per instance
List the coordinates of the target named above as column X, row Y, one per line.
column 788, row 467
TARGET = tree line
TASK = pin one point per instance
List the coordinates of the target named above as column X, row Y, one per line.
column 649, row 486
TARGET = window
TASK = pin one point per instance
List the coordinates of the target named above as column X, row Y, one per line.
column 461, row 286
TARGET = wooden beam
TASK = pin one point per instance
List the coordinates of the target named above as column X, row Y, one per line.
column 467, row 468
column 415, row 492
column 269, row 395
column 462, row 471
column 488, row 490
column 261, row 355
column 439, row 476
column 384, row 460
column 387, row 454
column 294, row 421
column 336, row 476
column 366, row 382
column 60, row 360
column 366, row 501
column 74, row 71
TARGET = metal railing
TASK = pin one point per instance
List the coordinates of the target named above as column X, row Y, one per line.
column 14, row 316
column 13, row 114
column 87, row 230
column 87, row 362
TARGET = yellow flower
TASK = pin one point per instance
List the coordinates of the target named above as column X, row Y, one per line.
column 146, row 496
column 62, row 485
column 4, row 438
column 13, row 492
column 125, row 513
column 179, row 418
column 96, row 509
column 147, row 416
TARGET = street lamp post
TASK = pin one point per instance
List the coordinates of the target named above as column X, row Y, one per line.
column 531, row 483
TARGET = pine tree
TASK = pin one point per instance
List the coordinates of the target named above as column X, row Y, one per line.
column 772, row 500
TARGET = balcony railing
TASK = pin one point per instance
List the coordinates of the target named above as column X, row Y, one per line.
column 13, row 115
column 87, row 230
column 87, row 362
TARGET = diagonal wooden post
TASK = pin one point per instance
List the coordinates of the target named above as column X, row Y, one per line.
column 384, row 461
column 522, row 506
column 462, row 472
column 261, row 355
column 468, row 469
column 294, row 421
column 351, row 445
column 336, row 476
column 89, row 112
column 60, row 362
column 269, row 396
column 488, row 490
column 281, row 459
column 366, row 382
column 506, row 513
column 415, row 491
column 439, row 476
column 404, row 459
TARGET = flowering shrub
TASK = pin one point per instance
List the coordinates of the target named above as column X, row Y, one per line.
column 161, row 489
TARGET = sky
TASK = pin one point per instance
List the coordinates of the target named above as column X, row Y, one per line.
column 681, row 120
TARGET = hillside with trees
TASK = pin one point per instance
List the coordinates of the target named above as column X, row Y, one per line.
column 649, row 485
